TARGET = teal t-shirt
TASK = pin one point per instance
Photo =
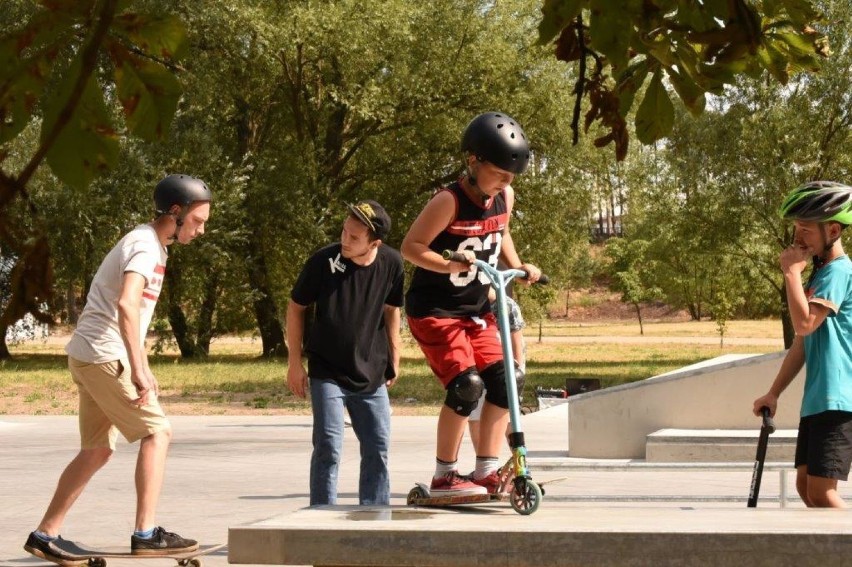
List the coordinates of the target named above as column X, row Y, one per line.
column 828, row 350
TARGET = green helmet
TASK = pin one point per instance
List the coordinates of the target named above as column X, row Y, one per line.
column 819, row 201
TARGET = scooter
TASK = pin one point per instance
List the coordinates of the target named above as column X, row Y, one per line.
column 516, row 483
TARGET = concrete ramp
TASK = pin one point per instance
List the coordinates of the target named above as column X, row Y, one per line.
column 717, row 394
column 556, row 535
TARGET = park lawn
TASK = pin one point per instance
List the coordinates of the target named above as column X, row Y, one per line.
column 759, row 329
column 234, row 381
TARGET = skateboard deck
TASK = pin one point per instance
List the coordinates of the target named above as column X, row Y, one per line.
column 72, row 553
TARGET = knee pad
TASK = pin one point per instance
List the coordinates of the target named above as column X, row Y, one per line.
column 495, row 384
column 463, row 392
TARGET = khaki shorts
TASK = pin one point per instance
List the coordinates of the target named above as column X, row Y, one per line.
column 105, row 409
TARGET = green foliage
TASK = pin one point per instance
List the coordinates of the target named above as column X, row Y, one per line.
column 50, row 65
column 633, row 271
column 694, row 47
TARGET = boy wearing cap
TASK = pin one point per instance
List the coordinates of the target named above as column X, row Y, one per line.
column 353, row 349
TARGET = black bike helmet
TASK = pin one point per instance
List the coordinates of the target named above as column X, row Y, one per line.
column 180, row 190
column 497, row 138
column 819, row 201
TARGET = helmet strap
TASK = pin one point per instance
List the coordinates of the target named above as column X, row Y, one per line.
column 471, row 178
column 829, row 244
column 178, row 222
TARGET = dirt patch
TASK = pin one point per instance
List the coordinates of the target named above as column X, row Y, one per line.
column 601, row 305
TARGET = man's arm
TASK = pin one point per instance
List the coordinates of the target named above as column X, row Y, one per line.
column 792, row 365
column 129, row 307
column 392, row 325
column 297, row 377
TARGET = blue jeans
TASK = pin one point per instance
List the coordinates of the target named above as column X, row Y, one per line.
column 370, row 415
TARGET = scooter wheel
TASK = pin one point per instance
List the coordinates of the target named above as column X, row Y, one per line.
column 526, row 497
column 415, row 494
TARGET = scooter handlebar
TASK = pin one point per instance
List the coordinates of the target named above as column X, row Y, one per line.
column 459, row 257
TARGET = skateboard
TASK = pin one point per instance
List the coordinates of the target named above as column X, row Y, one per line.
column 766, row 429
column 71, row 553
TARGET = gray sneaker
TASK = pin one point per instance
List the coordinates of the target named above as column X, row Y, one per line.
column 161, row 543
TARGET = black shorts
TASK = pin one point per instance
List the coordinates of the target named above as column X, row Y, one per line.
column 825, row 444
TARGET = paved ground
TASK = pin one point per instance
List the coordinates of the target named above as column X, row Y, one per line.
column 228, row 471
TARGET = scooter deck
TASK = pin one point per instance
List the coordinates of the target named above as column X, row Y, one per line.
column 421, row 496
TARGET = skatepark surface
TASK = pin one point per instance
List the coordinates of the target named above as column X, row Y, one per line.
column 252, row 471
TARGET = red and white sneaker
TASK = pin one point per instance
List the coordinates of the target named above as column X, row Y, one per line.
column 453, row 484
column 491, row 482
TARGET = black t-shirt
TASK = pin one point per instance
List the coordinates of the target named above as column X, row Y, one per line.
column 347, row 341
column 477, row 226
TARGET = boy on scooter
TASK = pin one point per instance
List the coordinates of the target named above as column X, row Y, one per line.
column 447, row 303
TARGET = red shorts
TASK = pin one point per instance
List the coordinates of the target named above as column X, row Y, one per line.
column 454, row 345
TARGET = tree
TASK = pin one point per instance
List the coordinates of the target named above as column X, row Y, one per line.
column 695, row 47
column 50, row 73
column 633, row 273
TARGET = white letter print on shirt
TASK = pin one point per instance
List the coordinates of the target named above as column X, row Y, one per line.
column 494, row 239
column 336, row 264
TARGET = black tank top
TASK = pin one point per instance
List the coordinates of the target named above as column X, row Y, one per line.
column 477, row 227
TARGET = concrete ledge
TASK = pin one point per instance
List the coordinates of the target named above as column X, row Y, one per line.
column 555, row 535
column 622, row 465
column 717, row 445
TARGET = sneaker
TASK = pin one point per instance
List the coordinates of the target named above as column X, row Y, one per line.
column 40, row 548
column 161, row 543
column 491, row 482
column 453, row 484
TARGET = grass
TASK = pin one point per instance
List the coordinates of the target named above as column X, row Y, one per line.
column 762, row 329
column 233, row 380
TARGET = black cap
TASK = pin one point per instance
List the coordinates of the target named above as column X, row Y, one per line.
column 373, row 215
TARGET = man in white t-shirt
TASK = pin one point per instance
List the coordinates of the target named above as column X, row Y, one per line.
column 109, row 364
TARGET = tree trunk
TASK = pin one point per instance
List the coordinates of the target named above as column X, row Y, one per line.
column 71, row 304
column 205, row 315
column 177, row 318
column 4, row 348
column 265, row 308
column 639, row 315
column 180, row 329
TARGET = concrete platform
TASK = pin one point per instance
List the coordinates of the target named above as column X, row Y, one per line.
column 555, row 535
column 228, row 472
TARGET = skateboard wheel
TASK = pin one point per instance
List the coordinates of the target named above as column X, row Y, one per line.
column 414, row 495
column 193, row 562
column 97, row 562
column 526, row 497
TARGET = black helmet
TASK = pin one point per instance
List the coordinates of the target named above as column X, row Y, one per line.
column 499, row 139
column 180, row 190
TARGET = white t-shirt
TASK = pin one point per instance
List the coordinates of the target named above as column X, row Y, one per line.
column 97, row 338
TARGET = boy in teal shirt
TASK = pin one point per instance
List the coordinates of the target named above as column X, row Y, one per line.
column 821, row 313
